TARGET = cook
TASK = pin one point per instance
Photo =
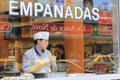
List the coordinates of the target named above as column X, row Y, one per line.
column 38, row 58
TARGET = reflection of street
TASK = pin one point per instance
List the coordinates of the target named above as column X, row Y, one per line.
column 97, row 62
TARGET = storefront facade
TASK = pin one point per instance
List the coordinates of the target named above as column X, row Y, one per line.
column 88, row 30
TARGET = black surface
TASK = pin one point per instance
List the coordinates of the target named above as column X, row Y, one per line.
column 9, row 73
column 40, row 75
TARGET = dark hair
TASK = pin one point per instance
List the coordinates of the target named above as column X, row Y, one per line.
column 49, row 47
column 91, row 1
column 59, row 46
column 35, row 41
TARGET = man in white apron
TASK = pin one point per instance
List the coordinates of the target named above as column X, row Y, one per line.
column 38, row 59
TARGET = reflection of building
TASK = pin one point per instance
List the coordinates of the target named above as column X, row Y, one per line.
column 105, row 4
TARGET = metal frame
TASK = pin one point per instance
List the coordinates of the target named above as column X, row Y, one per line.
column 116, row 33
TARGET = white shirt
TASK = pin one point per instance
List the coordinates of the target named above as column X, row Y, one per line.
column 31, row 56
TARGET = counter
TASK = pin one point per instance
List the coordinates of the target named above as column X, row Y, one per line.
column 87, row 77
column 64, row 76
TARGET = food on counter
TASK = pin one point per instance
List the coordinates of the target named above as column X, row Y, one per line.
column 26, row 76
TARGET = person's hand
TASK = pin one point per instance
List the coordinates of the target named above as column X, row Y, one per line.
column 52, row 58
column 54, row 67
column 53, row 63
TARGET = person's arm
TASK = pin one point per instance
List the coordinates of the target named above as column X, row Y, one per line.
column 30, row 66
column 35, row 67
column 39, row 65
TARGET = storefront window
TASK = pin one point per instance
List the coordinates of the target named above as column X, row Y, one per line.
column 81, row 33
